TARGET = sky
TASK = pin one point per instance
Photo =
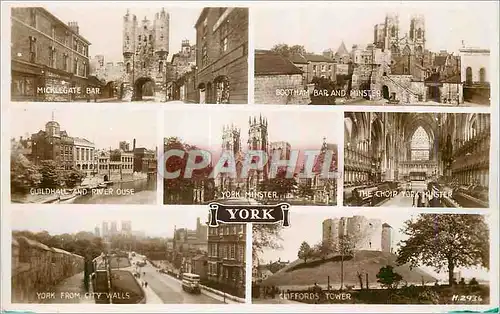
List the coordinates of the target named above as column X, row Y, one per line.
column 318, row 29
column 102, row 23
column 105, row 128
column 291, row 239
column 155, row 223
column 303, row 130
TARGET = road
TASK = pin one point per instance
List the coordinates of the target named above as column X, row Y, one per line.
column 170, row 290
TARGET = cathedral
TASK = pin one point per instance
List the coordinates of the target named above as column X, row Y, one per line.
column 145, row 52
column 231, row 142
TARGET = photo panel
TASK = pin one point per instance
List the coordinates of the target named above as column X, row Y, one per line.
column 81, row 156
column 148, row 53
column 417, row 159
column 372, row 258
column 265, row 157
column 126, row 256
column 397, row 54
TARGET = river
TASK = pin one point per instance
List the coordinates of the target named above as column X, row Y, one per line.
column 134, row 192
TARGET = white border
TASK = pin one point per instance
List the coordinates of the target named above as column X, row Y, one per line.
column 161, row 108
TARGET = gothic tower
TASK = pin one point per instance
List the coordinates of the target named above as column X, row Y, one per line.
column 231, row 140
column 417, row 33
column 145, row 51
column 392, row 33
column 258, row 139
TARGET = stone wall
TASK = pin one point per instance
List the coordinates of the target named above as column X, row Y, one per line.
column 280, row 90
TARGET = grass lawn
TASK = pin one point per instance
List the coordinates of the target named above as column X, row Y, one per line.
column 125, row 288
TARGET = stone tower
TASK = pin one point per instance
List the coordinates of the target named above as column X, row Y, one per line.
column 231, row 140
column 392, row 33
column 417, row 33
column 258, row 140
column 145, row 52
column 331, row 231
column 386, row 238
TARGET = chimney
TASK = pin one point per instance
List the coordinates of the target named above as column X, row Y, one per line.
column 133, row 145
column 74, row 27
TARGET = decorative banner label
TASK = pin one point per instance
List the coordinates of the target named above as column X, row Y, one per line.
column 260, row 214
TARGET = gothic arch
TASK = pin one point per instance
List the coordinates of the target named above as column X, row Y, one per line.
column 406, row 50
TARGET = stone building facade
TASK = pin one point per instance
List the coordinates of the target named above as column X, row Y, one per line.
column 68, row 152
column 364, row 233
column 145, row 52
column 46, row 53
column 475, row 70
column 278, row 80
column 222, row 55
column 226, row 257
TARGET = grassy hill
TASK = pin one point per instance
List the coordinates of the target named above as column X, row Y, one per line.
column 299, row 273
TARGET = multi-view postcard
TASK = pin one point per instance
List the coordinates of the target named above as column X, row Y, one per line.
column 125, row 257
column 373, row 258
column 83, row 157
column 416, row 53
column 402, row 159
column 251, row 157
column 81, row 52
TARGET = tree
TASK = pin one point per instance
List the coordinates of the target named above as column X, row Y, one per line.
column 51, row 177
column 441, row 240
column 24, row 175
column 325, row 248
column 73, row 177
column 388, row 278
column 304, row 251
column 265, row 237
column 286, row 51
column 181, row 187
column 280, row 184
column 325, row 87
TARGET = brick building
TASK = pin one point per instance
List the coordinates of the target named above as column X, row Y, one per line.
column 46, row 53
column 226, row 257
column 273, row 75
column 68, row 152
column 313, row 65
column 221, row 55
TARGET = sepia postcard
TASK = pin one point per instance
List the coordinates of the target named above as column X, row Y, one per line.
column 423, row 53
column 83, row 157
column 372, row 258
column 95, row 52
column 126, row 257
column 251, row 157
column 401, row 159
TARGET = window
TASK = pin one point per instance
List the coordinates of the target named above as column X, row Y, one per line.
column 52, row 57
column 393, row 31
column 419, row 33
column 33, row 17
column 468, row 76
column 482, row 75
column 314, row 67
column 84, row 69
column 204, row 55
column 160, row 67
column 139, row 38
column 150, row 37
column 53, row 32
column 32, row 49
column 323, row 67
column 224, row 44
column 233, row 251
column 420, row 145
column 224, row 33
column 161, row 37
column 75, row 66
column 75, row 45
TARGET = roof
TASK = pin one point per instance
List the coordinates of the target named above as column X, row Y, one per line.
column 297, row 58
column 270, row 63
column 203, row 13
column 199, row 257
column 386, row 225
column 317, row 58
column 342, row 50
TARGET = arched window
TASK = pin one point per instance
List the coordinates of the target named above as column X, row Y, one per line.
column 160, row 67
column 420, row 145
column 128, row 67
column 468, row 76
column 393, row 31
column 482, row 75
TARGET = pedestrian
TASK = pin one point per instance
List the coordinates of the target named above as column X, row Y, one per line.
column 146, row 284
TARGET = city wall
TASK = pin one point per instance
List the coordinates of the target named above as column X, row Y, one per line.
column 37, row 267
